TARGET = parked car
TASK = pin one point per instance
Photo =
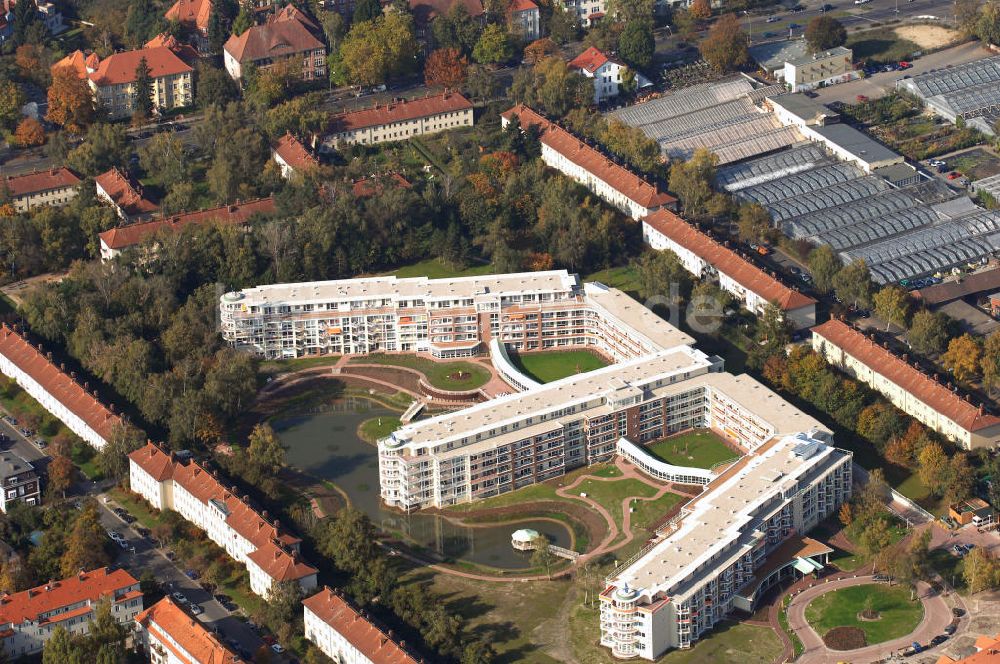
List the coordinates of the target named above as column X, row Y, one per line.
column 192, row 574
column 269, row 639
column 939, row 639
column 115, row 535
column 954, row 175
column 278, row 648
column 827, row 7
column 861, row 98
column 905, row 65
column 179, row 596
column 957, row 612
column 196, row 610
column 773, row 19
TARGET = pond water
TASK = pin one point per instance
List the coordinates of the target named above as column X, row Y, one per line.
column 326, row 445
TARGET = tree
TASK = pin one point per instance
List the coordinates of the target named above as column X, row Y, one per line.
column 213, row 86
column 143, row 21
column 854, row 284
column 85, row 543
column 933, row 468
column 632, row 144
column 494, row 46
column 446, row 68
column 685, row 24
column 725, row 47
column 217, row 30
column 11, row 100
column 29, row 133
column 71, row 104
column 61, row 472
column 961, row 479
column 692, row 181
column 989, row 363
column 892, row 304
column 164, row 156
column 658, row 271
column 25, row 21
column 753, row 222
column 456, row 29
column 243, row 20
column 564, row 25
column 106, row 635
column 374, row 50
column 962, row 357
column 627, row 11
column 541, row 555
column 265, row 449
column 539, row 49
column 879, row 422
column 928, row 331
column 987, row 25
column 14, row 575
column 636, row 44
column 875, row 537
column 113, row 457
column 552, row 87
column 823, row 266
column 980, row 570
column 61, row 648
column 823, row 33
column 701, row 9
column 366, row 10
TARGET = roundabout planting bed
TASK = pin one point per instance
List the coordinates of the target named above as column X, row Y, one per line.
column 896, row 614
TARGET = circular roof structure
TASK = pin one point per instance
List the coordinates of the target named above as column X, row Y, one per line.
column 524, row 535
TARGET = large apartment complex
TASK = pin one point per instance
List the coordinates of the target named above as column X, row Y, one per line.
column 56, row 186
column 58, row 391
column 730, row 543
column 547, row 430
column 270, row 554
column 704, row 257
column 917, row 394
column 445, row 317
column 400, row 120
column 580, row 161
column 28, row 618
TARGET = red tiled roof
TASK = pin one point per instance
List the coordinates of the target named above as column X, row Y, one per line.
column 279, row 564
column 425, row 11
column 284, row 35
column 154, row 461
column 39, row 181
column 591, row 159
column 368, row 639
column 590, row 60
column 909, row 378
column 191, row 13
column 125, row 193
column 366, row 187
column 522, row 6
column 60, row 385
column 948, row 291
column 77, row 61
column 120, row 68
column 133, row 234
column 28, row 605
column 182, row 51
column 170, row 624
column 293, row 153
column 403, row 111
column 727, row 261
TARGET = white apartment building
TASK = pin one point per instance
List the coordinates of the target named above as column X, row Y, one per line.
column 532, row 436
column 587, row 12
column 59, row 392
column 28, row 618
column 579, row 161
column 705, row 258
column 346, row 636
column 447, row 318
column 169, row 634
column 814, row 70
column 726, row 547
column 270, row 554
column 606, row 73
column 400, row 120
column 908, row 388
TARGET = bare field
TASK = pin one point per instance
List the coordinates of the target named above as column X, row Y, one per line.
column 927, row 36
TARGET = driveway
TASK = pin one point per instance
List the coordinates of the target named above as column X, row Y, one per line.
column 937, row 615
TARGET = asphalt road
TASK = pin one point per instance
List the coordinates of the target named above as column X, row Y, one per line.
column 146, row 556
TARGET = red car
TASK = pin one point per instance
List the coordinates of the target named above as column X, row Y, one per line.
column 862, row 98
column 954, row 175
column 269, row 640
column 905, row 65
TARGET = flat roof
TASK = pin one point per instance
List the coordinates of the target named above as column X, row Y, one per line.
column 806, row 58
column 804, row 107
column 774, row 55
column 12, row 464
column 857, row 143
column 637, row 317
column 722, row 517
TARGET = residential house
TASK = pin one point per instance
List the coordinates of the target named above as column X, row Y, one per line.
column 524, row 20
column 28, row 618
column 19, row 483
column 400, row 120
column 124, row 195
column 587, row 12
column 56, row 186
column 292, row 157
column 377, row 183
column 169, row 634
column 580, row 161
column 345, row 634
column 193, row 15
column 288, row 36
column 607, row 73
column 270, row 554
column 816, row 70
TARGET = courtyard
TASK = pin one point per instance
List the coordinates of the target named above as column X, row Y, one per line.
column 838, row 616
column 698, row 449
column 547, row 366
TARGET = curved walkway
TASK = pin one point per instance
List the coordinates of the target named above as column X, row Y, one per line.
column 936, row 616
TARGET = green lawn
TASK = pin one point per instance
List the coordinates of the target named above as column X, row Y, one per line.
column 377, row 428
column 730, row 642
column 698, row 449
column 914, row 489
column 647, row 512
column 547, row 366
column 135, row 506
column 610, row 494
column 898, row 615
column 443, row 375
column 880, row 46
column 623, row 278
column 296, row 364
column 433, row 268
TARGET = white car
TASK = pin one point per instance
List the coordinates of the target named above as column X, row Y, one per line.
column 278, row 648
column 861, row 2
column 196, row 610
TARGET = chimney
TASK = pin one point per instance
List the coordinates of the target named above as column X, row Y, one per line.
column 982, row 411
column 86, row 386
column 72, row 374
column 264, row 514
column 62, row 367
column 48, row 356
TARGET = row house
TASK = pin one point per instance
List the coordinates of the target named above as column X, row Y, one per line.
column 28, row 618
column 56, row 187
column 582, row 162
column 169, row 634
column 270, row 554
column 400, row 120
column 345, row 634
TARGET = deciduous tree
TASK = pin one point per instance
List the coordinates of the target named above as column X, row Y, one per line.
column 892, row 304
column 823, row 33
column 636, row 44
column 980, row 570
column 70, row 102
column 446, row 68
column 61, row 473
column 701, row 9
column 823, row 266
column 725, row 47
column 265, row 449
column 163, row 157
column 933, row 468
column 29, row 133
column 962, row 357
column 494, row 46
column 692, row 181
column 366, row 10
column 989, row 363
column 854, row 284
column 928, row 331
column 538, row 49
column 85, row 543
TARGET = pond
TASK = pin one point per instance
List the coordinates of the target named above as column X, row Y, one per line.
column 326, row 444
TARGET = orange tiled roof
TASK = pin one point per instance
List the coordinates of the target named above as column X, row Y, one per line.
column 182, row 51
column 170, row 624
column 125, row 193
column 28, row 605
column 58, row 383
column 284, row 35
column 293, row 153
column 727, row 261
column 191, row 13
column 403, row 111
column 133, row 234
column 522, row 6
column 39, row 181
column 592, row 160
column 591, row 60
column 989, row 653
column 279, row 564
column 377, row 646
column 119, row 68
column 77, row 61
column 911, row 379
column 367, row 187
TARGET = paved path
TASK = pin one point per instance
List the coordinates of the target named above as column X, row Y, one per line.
column 937, row 615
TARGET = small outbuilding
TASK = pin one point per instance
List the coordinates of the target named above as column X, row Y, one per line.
column 525, row 539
